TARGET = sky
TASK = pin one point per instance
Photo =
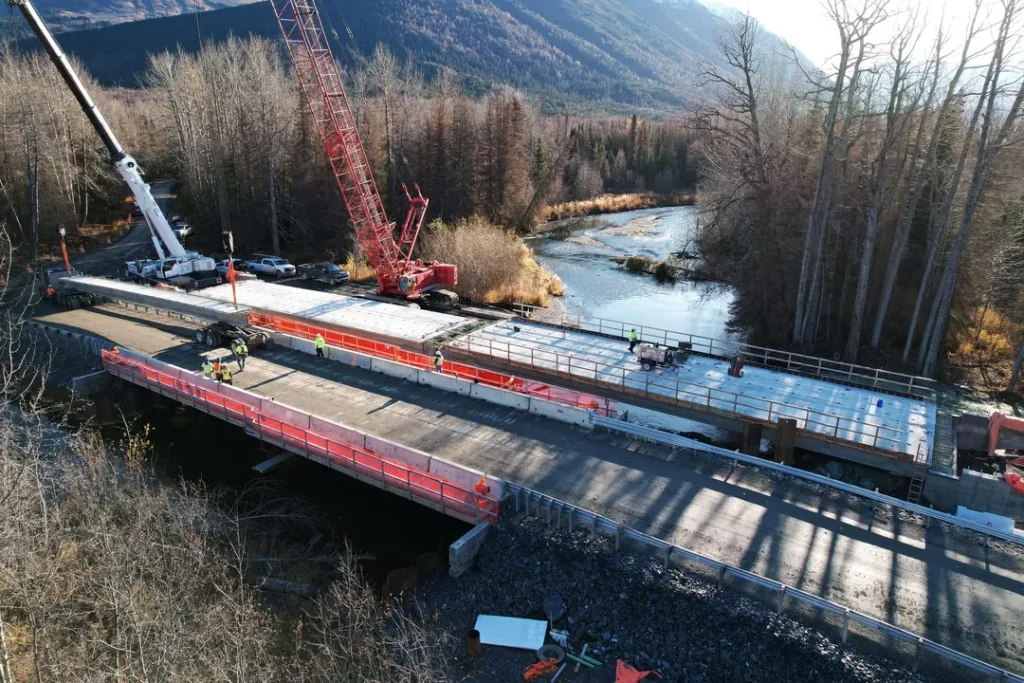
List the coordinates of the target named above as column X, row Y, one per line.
column 805, row 24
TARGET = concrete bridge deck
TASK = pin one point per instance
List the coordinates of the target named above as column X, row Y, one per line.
column 935, row 581
column 849, row 421
column 858, row 416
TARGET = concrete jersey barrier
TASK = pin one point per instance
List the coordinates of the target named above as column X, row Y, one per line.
column 509, row 399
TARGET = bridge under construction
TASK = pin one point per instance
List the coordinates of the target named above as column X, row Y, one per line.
column 883, row 420
column 430, row 437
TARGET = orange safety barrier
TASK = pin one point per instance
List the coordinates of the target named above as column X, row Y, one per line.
column 421, row 361
column 244, row 411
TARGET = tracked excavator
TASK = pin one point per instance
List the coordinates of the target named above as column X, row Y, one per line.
column 173, row 264
column 320, row 80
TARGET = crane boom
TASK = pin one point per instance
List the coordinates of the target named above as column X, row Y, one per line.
column 123, row 162
column 323, row 89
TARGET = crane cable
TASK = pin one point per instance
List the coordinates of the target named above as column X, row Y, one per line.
column 334, row 29
column 199, row 30
column 408, row 172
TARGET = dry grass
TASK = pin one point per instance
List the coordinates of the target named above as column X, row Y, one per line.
column 495, row 267
column 614, row 203
column 358, row 269
column 982, row 351
column 108, row 572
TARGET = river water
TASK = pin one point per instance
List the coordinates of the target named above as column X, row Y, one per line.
column 596, row 286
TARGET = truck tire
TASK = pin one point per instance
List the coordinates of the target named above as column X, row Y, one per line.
column 74, row 303
column 201, row 336
column 213, row 339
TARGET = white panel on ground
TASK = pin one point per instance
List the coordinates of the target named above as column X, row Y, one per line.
column 833, row 410
column 525, row 634
column 374, row 317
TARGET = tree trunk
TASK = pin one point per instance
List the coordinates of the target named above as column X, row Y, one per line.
column 987, row 153
column 933, row 255
column 275, row 233
column 812, row 242
column 5, row 661
column 33, row 199
column 892, row 271
column 1015, row 377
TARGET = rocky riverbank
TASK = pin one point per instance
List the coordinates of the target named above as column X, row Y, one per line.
column 629, row 607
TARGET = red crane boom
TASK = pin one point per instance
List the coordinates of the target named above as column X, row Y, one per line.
column 323, row 90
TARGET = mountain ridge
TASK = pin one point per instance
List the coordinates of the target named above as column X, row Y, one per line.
column 619, row 54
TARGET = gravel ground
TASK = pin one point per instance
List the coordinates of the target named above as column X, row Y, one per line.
column 629, row 607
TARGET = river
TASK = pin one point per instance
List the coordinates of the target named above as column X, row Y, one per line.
column 595, row 286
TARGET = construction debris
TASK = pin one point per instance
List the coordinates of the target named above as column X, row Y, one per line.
column 526, row 634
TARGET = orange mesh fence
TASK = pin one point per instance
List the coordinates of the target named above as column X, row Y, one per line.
column 244, row 410
column 422, row 361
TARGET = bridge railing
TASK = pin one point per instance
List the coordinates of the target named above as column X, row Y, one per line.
column 775, row 359
column 820, row 424
column 244, row 410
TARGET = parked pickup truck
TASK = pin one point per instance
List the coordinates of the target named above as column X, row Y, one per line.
column 261, row 264
column 324, row 272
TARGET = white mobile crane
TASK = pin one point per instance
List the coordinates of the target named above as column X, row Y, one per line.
column 173, row 262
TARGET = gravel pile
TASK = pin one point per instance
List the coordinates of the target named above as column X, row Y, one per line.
column 629, row 607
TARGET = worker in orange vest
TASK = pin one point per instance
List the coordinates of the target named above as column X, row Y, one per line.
column 482, row 491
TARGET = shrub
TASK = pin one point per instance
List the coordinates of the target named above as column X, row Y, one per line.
column 495, row 267
column 358, row 269
column 639, row 264
column 665, row 271
column 614, row 203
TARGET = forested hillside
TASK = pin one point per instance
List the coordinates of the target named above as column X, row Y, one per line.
column 622, row 54
column 229, row 126
column 76, row 15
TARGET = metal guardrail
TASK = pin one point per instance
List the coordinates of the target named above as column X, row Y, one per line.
column 796, row 363
column 819, row 424
column 670, row 439
column 526, row 498
column 391, row 475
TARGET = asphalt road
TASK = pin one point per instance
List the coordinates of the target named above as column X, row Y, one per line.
column 109, row 261
column 937, row 581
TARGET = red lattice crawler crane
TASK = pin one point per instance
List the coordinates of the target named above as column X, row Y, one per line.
column 322, row 86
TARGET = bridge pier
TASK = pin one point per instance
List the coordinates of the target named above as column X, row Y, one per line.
column 752, row 439
column 785, row 441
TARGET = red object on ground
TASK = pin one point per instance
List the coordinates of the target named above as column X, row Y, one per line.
column 997, row 421
column 624, row 673
column 539, row 670
column 1015, row 474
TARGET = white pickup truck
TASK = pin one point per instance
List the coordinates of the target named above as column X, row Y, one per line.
column 261, row 264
